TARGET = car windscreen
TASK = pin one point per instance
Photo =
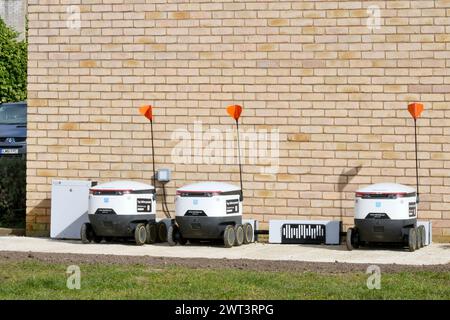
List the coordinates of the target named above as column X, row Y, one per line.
column 10, row 114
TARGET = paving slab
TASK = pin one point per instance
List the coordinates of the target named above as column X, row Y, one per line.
column 434, row 254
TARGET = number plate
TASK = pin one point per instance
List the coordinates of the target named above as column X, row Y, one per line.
column 9, row 151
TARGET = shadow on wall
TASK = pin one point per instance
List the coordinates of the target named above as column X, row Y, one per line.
column 344, row 179
column 38, row 220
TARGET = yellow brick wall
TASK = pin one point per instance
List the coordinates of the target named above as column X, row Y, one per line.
column 336, row 89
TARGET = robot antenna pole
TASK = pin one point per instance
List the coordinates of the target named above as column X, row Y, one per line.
column 417, row 160
column 240, row 164
column 153, row 155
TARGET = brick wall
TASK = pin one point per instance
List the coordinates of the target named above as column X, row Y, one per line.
column 336, row 89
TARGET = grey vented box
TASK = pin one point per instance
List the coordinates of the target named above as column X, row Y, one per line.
column 323, row 231
column 428, row 231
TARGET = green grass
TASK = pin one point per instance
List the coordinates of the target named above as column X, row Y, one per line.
column 38, row 280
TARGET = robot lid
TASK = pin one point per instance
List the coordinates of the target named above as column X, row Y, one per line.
column 122, row 186
column 210, row 187
column 386, row 188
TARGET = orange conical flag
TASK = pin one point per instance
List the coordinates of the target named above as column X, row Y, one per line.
column 146, row 111
column 234, row 111
column 415, row 109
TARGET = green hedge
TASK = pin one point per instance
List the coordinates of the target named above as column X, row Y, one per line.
column 12, row 192
column 13, row 87
column 13, row 66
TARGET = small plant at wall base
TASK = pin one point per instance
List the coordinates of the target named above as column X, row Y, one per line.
column 12, row 192
column 13, row 66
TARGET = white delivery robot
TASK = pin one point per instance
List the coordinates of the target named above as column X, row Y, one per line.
column 123, row 209
column 211, row 211
column 387, row 212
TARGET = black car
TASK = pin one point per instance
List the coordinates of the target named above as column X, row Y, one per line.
column 13, row 129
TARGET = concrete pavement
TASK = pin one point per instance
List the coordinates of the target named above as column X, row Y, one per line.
column 438, row 253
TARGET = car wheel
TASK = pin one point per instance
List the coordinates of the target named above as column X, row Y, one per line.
column 355, row 238
column 412, row 240
column 140, row 234
column 151, row 232
column 239, row 235
column 248, row 233
column 423, row 236
column 162, row 231
column 350, row 239
column 229, row 236
column 171, row 235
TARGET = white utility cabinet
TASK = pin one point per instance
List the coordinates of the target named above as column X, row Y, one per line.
column 69, row 208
